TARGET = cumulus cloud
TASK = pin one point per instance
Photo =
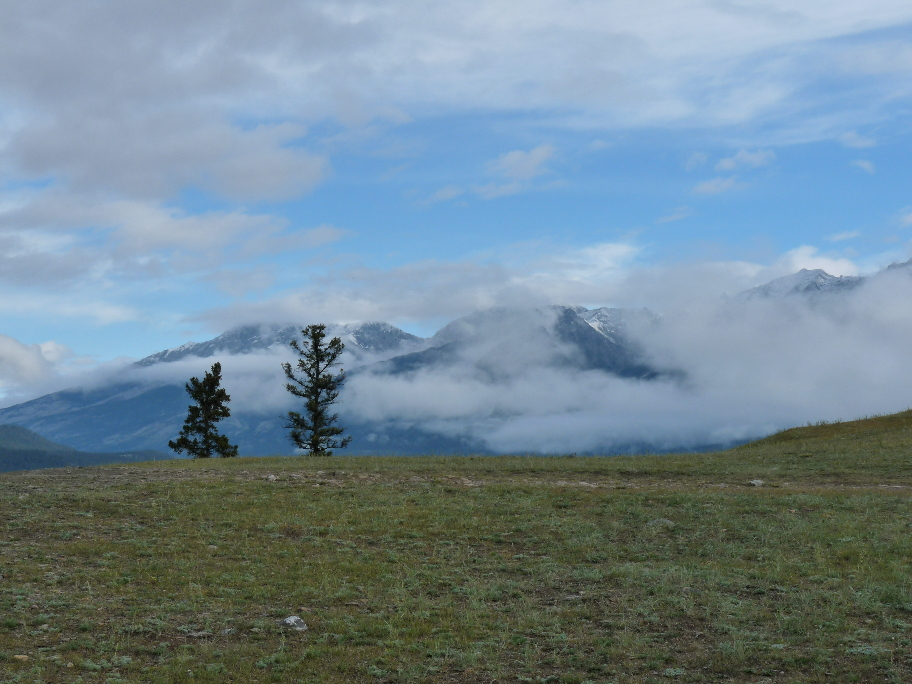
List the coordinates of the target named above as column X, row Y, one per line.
column 715, row 186
column 845, row 235
column 675, row 215
column 517, row 169
column 855, row 141
column 78, row 306
column 30, row 369
column 521, row 165
column 157, row 99
column 438, row 291
column 51, row 239
column 428, row 293
column 749, row 370
column 22, row 362
column 809, row 257
column 495, row 190
column 745, row 159
column 221, row 97
column 154, row 159
column 128, row 120
column 744, row 369
column 445, row 193
column 696, row 161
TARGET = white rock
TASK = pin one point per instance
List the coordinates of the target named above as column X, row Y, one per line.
column 295, row 623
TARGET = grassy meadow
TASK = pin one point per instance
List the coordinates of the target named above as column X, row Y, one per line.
column 511, row 569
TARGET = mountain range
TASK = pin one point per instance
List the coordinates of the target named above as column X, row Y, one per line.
column 144, row 406
column 497, row 344
column 812, row 282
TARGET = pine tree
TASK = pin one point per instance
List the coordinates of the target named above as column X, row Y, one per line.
column 315, row 431
column 198, row 437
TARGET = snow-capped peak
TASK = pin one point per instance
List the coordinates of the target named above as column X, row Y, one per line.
column 805, row 281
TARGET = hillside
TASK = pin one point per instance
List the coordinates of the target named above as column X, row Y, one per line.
column 892, row 426
column 20, row 439
column 22, row 449
column 783, row 560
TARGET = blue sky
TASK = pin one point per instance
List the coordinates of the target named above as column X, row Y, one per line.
column 171, row 170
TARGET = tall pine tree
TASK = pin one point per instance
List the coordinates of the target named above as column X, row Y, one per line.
column 199, row 438
column 315, row 431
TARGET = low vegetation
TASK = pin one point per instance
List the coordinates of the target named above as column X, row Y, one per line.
column 786, row 560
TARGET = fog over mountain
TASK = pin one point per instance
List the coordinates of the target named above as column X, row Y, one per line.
column 552, row 379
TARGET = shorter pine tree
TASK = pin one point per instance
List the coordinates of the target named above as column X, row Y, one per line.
column 314, row 431
column 199, row 438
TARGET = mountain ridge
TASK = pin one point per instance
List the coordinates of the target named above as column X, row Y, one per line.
column 134, row 414
column 494, row 348
column 244, row 339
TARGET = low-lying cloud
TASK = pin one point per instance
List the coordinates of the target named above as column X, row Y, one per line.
column 731, row 369
column 741, row 370
column 749, row 369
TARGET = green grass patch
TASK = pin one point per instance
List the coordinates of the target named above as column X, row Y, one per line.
column 633, row 569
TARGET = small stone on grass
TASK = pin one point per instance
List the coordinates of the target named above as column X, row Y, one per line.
column 295, row 623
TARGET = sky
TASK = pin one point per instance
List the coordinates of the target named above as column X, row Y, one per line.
column 169, row 170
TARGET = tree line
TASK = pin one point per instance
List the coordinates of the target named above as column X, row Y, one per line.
column 313, row 429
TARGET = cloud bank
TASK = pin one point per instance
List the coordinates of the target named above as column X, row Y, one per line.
column 750, row 369
column 745, row 368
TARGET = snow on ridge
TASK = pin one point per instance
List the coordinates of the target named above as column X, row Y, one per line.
column 372, row 336
column 804, row 282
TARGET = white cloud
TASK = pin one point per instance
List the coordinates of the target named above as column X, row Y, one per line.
column 446, row 193
column 433, row 290
column 75, row 307
column 747, row 374
column 696, row 160
column 743, row 159
column 676, row 215
column 716, row 186
column 23, row 363
column 53, row 237
column 523, row 166
column 158, row 98
column 28, row 370
column 273, row 240
column 518, row 169
column 864, row 165
column 809, row 257
column 495, row 190
column 845, row 235
column 855, row 141
column 596, row 262
column 156, row 157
